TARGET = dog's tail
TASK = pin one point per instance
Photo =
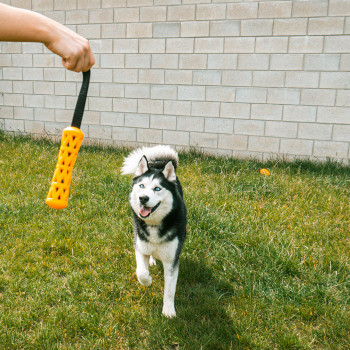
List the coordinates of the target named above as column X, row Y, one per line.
column 157, row 157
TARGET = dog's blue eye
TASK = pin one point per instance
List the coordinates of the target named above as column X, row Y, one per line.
column 157, row 189
column 142, row 186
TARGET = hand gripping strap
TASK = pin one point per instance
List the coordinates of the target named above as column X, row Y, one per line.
column 80, row 106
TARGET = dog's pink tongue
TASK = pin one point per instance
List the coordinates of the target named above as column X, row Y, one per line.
column 144, row 211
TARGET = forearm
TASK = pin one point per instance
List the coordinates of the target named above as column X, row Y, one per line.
column 22, row 25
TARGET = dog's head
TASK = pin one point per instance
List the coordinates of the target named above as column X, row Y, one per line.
column 151, row 197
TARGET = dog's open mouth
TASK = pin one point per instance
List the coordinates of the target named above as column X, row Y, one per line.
column 145, row 212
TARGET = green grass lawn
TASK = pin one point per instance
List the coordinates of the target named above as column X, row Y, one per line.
column 265, row 265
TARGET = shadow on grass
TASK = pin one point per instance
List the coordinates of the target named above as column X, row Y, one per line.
column 202, row 321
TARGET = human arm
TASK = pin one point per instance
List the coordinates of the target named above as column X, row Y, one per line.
column 24, row 25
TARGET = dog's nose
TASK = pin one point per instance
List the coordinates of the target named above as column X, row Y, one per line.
column 144, row 199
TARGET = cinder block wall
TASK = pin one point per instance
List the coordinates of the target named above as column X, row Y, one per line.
column 238, row 78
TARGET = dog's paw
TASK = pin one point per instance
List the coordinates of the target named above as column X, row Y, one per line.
column 169, row 311
column 152, row 261
column 144, row 278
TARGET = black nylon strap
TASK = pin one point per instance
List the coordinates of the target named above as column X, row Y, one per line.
column 80, row 106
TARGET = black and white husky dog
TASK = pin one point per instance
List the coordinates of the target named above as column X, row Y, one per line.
column 159, row 213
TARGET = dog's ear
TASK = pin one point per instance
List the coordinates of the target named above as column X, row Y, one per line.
column 169, row 171
column 142, row 167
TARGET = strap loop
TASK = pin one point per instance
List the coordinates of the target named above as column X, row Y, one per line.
column 80, row 106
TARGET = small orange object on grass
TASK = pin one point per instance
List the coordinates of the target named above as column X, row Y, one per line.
column 264, row 172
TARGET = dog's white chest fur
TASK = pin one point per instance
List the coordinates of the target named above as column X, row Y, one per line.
column 157, row 247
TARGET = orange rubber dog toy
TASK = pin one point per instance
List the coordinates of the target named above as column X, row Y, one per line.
column 72, row 138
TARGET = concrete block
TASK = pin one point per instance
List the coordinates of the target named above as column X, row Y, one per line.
column 22, row 60
column 209, row 45
column 39, row 101
column 137, row 120
column 137, row 91
column 112, row 61
column 335, row 80
column 166, row 61
column 14, row 125
column 124, row 105
column 111, row 90
column 112, row 31
column 242, row 10
column 322, row 62
column 33, row 74
column 124, row 134
column 151, row 45
column 266, row 112
column 256, row 27
column 333, row 115
column 290, row 26
column 331, row 149
column 281, row 129
column 194, row 29
column 207, row 77
column 283, row 96
column 9, row 73
column 125, row 76
column 112, row 119
column 306, row 44
column 235, row 110
column 339, row 8
column 178, row 77
column 222, row 61
column 314, row 131
column 211, row 12
column 164, row 92
column 104, row 104
column 271, row 45
column 196, row 61
column 25, row 113
column 101, row 45
column 296, row 147
column 137, row 61
column 249, row 127
column 139, row 30
column 203, row 140
column 190, row 124
column 153, row 13
column 177, row 107
column 237, row 78
column 101, row 15
column 343, row 98
column 178, row 138
column 65, row 88
column 239, row 45
column 225, row 28
column 220, row 93
column 21, row 87
column 128, row 14
column 234, row 142
column 205, row 109
column 150, row 106
column 318, row 97
column 310, row 8
column 164, row 122
column 149, row 135
column 268, row 79
column 341, row 132
column 166, row 30
column 42, row 60
column 151, row 76
column 326, row 26
column 218, row 125
column 253, row 62
column 192, row 93
column 34, row 126
column 125, row 46
column 77, row 17
column 299, row 113
column 337, row 44
column 100, row 132
column 182, row 13
column 180, row 45
column 251, row 95
column 263, row 144
column 302, row 79
column 275, row 9
column 44, row 87
column 286, row 62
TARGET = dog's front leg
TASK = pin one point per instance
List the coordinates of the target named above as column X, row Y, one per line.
column 142, row 268
column 170, row 279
